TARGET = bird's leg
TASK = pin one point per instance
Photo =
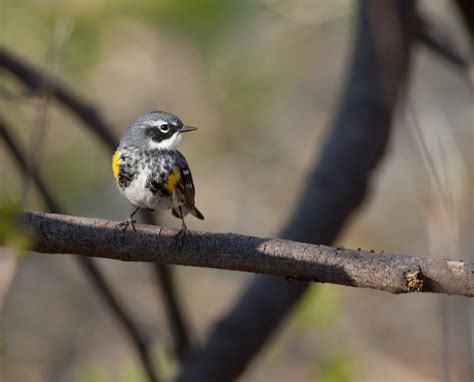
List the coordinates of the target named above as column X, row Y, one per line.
column 129, row 221
column 184, row 230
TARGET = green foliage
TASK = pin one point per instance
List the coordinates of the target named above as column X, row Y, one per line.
column 83, row 47
column 135, row 373
column 70, row 171
column 2, row 344
column 10, row 234
column 34, row 27
column 8, row 212
column 85, row 42
column 92, row 373
column 200, row 21
column 337, row 367
column 129, row 370
column 319, row 306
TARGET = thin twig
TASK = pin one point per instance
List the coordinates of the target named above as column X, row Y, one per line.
column 395, row 273
column 90, row 268
column 440, row 43
column 444, row 167
column 55, row 59
column 37, row 82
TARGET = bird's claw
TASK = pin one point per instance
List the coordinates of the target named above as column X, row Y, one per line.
column 181, row 235
column 124, row 225
column 183, row 232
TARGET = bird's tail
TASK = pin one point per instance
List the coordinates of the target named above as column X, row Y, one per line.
column 197, row 213
column 194, row 211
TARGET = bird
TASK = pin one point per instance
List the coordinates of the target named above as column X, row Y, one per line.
column 149, row 170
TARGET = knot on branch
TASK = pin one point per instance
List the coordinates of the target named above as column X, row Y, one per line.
column 414, row 280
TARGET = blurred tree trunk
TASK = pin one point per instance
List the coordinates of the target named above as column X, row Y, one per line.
column 335, row 189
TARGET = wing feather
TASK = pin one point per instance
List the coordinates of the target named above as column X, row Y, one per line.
column 186, row 184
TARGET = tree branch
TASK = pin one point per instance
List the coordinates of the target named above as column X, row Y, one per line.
column 307, row 262
column 37, row 82
column 466, row 10
column 89, row 267
column 336, row 186
column 176, row 320
column 440, row 43
column 85, row 111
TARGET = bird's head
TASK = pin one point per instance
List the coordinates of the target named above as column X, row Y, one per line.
column 158, row 130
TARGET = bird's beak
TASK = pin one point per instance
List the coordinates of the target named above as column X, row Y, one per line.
column 185, row 129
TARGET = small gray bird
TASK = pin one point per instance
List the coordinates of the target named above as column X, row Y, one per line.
column 150, row 172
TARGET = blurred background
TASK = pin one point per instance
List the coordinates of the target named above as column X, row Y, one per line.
column 261, row 80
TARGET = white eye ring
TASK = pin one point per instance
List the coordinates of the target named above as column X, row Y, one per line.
column 164, row 128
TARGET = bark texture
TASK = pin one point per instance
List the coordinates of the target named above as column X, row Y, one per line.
column 390, row 272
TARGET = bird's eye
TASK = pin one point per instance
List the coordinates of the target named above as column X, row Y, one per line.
column 164, row 128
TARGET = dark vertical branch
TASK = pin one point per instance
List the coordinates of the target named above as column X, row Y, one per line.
column 174, row 310
column 440, row 43
column 178, row 326
column 37, row 82
column 27, row 169
column 466, row 10
column 337, row 186
column 88, row 265
column 140, row 342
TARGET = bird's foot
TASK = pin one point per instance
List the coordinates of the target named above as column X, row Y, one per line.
column 124, row 225
column 181, row 235
column 183, row 232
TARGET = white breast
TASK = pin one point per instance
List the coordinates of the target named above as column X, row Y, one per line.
column 142, row 197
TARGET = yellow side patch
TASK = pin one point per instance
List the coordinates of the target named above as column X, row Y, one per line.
column 116, row 163
column 172, row 181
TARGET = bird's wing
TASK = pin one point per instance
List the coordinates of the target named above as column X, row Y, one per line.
column 186, row 184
